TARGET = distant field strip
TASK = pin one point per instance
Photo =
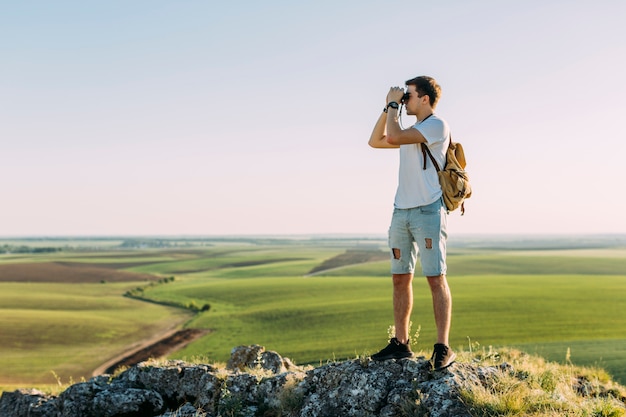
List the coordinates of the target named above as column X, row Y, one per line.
column 65, row 272
column 504, row 263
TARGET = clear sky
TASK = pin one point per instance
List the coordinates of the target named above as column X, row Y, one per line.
column 152, row 117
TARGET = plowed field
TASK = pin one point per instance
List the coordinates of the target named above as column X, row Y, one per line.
column 66, row 272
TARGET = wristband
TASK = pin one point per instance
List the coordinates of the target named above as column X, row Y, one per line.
column 393, row 105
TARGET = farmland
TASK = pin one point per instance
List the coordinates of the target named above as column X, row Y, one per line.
column 65, row 312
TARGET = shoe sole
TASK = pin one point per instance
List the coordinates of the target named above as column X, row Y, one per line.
column 452, row 360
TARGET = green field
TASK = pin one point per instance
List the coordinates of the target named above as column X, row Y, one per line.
column 541, row 300
column 70, row 328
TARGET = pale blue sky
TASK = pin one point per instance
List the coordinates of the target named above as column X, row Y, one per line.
column 205, row 117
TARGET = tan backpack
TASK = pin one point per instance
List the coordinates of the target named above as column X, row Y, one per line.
column 453, row 178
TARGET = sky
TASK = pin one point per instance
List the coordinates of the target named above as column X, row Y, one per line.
column 247, row 118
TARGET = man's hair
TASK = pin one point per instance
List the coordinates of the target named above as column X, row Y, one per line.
column 426, row 85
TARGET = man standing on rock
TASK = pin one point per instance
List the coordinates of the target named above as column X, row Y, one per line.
column 418, row 225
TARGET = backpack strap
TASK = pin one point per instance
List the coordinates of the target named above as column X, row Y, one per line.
column 432, row 158
column 425, row 150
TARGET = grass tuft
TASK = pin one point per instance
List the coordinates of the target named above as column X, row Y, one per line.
column 513, row 383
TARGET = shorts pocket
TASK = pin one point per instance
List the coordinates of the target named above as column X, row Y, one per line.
column 431, row 209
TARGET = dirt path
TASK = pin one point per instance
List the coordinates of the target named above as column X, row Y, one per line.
column 156, row 347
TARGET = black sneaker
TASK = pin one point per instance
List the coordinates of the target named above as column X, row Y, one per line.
column 394, row 350
column 442, row 357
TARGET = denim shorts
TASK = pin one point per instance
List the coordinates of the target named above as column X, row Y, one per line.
column 419, row 231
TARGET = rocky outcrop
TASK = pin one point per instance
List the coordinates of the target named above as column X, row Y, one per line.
column 256, row 383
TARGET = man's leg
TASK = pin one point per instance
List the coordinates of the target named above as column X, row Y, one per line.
column 442, row 306
column 443, row 356
column 402, row 265
column 402, row 305
column 398, row 346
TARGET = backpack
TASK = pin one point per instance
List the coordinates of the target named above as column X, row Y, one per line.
column 453, row 178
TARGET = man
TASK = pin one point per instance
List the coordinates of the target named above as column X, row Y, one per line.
column 418, row 225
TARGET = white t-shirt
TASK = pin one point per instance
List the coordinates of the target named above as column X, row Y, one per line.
column 416, row 186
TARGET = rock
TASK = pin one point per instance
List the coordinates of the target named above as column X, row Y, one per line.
column 98, row 398
column 127, row 402
column 359, row 387
column 32, row 403
column 177, row 382
column 186, row 410
column 255, row 357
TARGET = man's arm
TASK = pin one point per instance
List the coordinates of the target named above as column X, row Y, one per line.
column 396, row 136
column 378, row 139
column 387, row 132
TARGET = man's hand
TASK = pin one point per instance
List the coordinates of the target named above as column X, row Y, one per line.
column 395, row 94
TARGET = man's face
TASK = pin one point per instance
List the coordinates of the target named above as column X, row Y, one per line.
column 413, row 103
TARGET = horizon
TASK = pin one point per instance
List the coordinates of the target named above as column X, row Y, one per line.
column 329, row 236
